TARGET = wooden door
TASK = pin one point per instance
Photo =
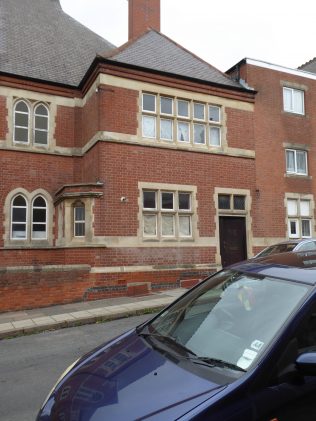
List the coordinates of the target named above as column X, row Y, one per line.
column 232, row 233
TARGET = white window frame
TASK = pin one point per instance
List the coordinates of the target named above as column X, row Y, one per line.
column 299, row 217
column 149, row 111
column 169, row 139
column 41, row 223
column 291, row 108
column 31, row 128
column 219, row 114
column 157, row 117
column 26, row 223
column 37, row 129
column 159, row 212
column 180, row 116
column 172, row 106
column 297, row 228
column 79, row 221
column 295, row 152
column 15, row 126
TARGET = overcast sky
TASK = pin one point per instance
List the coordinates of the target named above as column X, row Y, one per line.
column 221, row 32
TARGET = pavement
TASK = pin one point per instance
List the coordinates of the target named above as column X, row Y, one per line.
column 25, row 322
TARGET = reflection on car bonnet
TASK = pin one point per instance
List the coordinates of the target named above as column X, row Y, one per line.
column 246, row 297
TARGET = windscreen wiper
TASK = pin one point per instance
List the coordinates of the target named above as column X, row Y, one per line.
column 167, row 339
column 215, row 362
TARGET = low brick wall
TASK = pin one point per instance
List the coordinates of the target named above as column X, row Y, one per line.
column 27, row 287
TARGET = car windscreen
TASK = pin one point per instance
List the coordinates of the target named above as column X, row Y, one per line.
column 230, row 319
column 277, row 248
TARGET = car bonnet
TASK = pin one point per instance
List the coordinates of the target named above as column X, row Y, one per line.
column 128, row 380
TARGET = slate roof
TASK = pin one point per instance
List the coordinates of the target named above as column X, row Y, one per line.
column 39, row 40
column 155, row 51
column 310, row 66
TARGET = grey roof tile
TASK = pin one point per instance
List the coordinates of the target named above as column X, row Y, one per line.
column 39, row 40
column 155, row 51
column 310, row 66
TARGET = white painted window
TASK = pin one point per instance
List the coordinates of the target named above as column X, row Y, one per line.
column 31, row 123
column 79, row 220
column 180, row 120
column 40, row 125
column 299, row 218
column 293, row 100
column 167, row 214
column 29, row 218
column 19, row 216
column 21, row 122
column 39, row 218
column 296, row 161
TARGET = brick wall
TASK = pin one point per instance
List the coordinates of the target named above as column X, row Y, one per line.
column 124, row 165
column 118, row 109
column 273, row 128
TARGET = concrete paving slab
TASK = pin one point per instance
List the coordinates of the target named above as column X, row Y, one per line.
column 44, row 321
column 63, row 317
column 80, row 314
column 6, row 327
column 22, row 324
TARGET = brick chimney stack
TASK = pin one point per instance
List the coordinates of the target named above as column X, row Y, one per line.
column 143, row 14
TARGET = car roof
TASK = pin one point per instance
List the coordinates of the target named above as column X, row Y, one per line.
column 294, row 266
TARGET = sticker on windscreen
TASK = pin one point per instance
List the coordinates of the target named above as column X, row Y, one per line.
column 256, row 345
column 247, row 358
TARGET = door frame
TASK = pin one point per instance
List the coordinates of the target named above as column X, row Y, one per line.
column 237, row 213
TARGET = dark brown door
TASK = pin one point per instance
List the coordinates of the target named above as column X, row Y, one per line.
column 232, row 234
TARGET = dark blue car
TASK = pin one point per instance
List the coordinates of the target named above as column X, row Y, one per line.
column 239, row 346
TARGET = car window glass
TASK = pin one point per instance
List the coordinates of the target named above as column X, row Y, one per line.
column 307, row 246
column 233, row 321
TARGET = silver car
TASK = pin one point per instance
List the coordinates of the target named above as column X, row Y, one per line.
column 307, row 244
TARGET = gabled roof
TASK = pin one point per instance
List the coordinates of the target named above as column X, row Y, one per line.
column 153, row 50
column 310, row 66
column 39, row 40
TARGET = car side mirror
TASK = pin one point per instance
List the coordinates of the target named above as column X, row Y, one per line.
column 306, row 363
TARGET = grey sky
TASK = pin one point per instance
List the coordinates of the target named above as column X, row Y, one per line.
column 221, row 32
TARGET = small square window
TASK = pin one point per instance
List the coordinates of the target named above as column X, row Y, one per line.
column 185, row 226
column 306, row 228
column 239, row 202
column 183, row 108
column 199, row 111
column 305, row 207
column 214, row 114
column 296, row 161
column 293, row 100
column 149, row 126
column 166, row 105
column 224, row 201
column 183, row 132
column 199, row 134
column 150, row 225
column 215, row 136
column 167, row 225
column 167, row 201
column 293, row 228
column 149, row 103
column 166, row 129
column 149, row 200
column 292, row 207
column 184, row 201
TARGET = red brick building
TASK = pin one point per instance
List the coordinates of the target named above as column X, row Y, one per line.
column 125, row 170
column 284, row 130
